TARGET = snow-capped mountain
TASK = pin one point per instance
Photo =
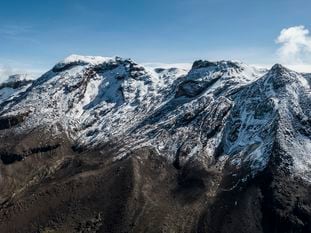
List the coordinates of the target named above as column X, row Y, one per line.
column 236, row 122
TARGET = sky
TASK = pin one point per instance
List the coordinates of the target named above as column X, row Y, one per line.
column 35, row 34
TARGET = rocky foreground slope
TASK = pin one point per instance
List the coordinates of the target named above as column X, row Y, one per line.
column 107, row 145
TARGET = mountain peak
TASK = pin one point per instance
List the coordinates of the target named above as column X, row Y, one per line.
column 203, row 64
column 278, row 67
column 281, row 76
column 87, row 59
column 74, row 60
column 219, row 65
column 280, row 70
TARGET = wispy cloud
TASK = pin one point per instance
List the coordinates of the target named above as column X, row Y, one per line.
column 7, row 70
column 295, row 48
column 18, row 33
column 14, row 30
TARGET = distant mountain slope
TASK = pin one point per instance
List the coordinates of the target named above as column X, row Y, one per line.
column 13, row 85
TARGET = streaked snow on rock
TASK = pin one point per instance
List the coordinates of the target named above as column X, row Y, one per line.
column 215, row 111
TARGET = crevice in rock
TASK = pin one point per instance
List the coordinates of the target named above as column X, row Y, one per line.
column 10, row 158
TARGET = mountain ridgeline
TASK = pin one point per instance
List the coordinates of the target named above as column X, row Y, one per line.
column 102, row 144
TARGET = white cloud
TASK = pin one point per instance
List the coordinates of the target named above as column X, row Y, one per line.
column 6, row 71
column 295, row 50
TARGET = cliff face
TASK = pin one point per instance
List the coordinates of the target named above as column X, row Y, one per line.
column 107, row 145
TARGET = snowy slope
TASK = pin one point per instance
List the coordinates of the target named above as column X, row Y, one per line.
column 218, row 111
column 92, row 97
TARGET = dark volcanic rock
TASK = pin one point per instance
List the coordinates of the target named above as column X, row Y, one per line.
column 11, row 121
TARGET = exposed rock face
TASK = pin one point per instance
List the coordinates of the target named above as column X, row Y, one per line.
column 106, row 145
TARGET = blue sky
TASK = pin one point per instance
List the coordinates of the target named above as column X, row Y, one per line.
column 36, row 34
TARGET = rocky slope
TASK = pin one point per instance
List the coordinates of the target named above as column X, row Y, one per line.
column 107, row 145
